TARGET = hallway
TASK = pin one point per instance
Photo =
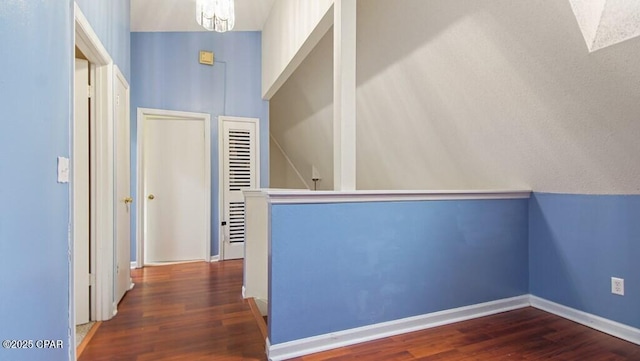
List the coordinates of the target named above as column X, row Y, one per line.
column 189, row 311
column 195, row 311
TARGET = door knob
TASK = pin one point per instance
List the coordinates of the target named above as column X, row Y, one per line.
column 128, row 200
column 151, row 197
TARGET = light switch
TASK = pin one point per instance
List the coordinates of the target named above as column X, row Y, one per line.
column 63, row 170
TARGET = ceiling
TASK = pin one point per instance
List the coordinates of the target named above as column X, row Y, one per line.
column 179, row 15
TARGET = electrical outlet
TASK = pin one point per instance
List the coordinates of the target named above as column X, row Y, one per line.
column 617, row 286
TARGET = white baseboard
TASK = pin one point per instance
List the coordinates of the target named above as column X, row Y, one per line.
column 244, row 292
column 613, row 328
column 215, row 258
column 134, row 265
column 333, row 340
column 263, row 306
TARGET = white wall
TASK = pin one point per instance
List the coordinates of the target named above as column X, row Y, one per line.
column 301, row 115
column 282, row 174
column 493, row 94
column 291, row 31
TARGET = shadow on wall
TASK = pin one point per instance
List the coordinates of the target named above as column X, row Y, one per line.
column 492, row 94
column 301, row 114
column 389, row 31
column 577, row 243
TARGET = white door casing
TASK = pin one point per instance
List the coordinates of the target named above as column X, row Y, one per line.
column 239, row 170
column 123, row 187
column 101, row 170
column 81, row 193
column 174, row 181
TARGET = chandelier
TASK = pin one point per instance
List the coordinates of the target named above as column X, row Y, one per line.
column 215, row 15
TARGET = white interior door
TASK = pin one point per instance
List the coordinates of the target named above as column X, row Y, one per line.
column 176, row 189
column 239, row 172
column 81, row 189
column 123, row 188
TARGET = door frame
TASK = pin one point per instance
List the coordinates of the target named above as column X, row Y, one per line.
column 221, row 120
column 159, row 114
column 102, row 191
column 118, row 76
column 81, row 216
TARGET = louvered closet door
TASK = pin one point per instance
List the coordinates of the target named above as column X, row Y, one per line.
column 239, row 173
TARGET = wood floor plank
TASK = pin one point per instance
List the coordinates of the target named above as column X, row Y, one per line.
column 195, row 311
column 526, row 334
column 191, row 311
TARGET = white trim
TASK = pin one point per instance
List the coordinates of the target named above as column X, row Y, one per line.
column 87, row 40
column 215, row 258
column 282, row 196
column 333, row 340
column 139, row 187
column 613, row 328
column 118, row 76
column 134, row 264
column 220, row 190
column 221, row 120
column 344, row 95
column 159, row 114
column 102, row 170
column 244, row 292
column 286, row 157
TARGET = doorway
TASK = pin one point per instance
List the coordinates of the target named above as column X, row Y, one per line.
column 81, row 190
column 174, row 187
column 100, row 171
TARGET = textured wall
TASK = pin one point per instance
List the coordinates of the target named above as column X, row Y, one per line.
column 339, row 266
column 493, row 94
column 577, row 243
column 607, row 22
column 36, row 92
column 167, row 75
column 287, row 29
column 281, row 173
column 301, row 114
column 34, row 217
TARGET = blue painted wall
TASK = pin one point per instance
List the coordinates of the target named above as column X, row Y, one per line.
column 166, row 75
column 577, row 243
column 35, row 98
column 36, row 102
column 339, row 266
column 110, row 21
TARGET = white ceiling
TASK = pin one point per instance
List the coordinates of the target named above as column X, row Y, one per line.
column 179, row 15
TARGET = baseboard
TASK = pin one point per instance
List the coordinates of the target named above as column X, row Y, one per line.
column 263, row 306
column 262, row 325
column 244, row 292
column 134, row 265
column 333, row 340
column 215, row 258
column 613, row 328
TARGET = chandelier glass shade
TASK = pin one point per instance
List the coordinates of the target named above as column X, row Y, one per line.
column 216, row 15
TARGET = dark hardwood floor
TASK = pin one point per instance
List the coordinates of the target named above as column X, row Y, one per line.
column 525, row 334
column 195, row 311
column 192, row 311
